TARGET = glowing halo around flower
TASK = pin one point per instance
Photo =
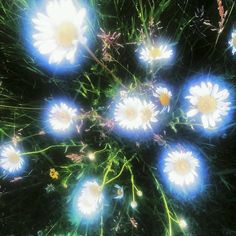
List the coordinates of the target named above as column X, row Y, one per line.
column 59, row 31
column 182, row 170
column 155, row 53
column 232, row 42
column 90, row 198
column 209, row 103
column 181, row 167
column 148, row 114
column 135, row 114
column 87, row 201
column 61, row 117
column 56, row 33
column 10, row 159
column 164, row 96
column 127, row 113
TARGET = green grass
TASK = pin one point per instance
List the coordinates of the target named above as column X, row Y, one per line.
column 27, row 209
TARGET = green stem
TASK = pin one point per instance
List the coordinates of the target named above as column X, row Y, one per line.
column 165, row 204
column 102, row 65
column 120, row 173
column 19, row 107
column 132, row 182
column 48, row 148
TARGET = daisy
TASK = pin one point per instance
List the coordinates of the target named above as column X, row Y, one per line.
column 155, row 53
column 164, row 96
column 10, row 159
column 232, row 42
column 181, row 168
column 90, row 198
column 127, row 113
column 59, row 31
column 148, row 114
column 62, row 117
column 133, row 114
column 208, row 100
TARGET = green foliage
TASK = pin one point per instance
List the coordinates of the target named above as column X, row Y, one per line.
column 29, row 207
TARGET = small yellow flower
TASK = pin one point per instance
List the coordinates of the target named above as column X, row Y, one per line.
column 54, row 174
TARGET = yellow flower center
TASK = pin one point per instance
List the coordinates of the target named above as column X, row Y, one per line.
column 95, row 190
column 66, row 33
column 131, row 113
column 155, row 52
column 64, row 117
column 13, row 158
column 182, row 167
column 206, row 104
column 119, row 192
column 164, row 99
column 146, row 115
column 234, row 41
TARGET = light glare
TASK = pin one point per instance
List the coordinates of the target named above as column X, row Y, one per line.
column 232, row 42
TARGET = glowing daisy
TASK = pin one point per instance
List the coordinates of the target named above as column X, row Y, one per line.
column 148, row 114
column 181, row 168
column 133, row 114
column 10, row 159
column 164, row 97
column 127, row 113
column 155, row 53
column 90, row 198
column 232, row 42
column 60, row 30
column 62, row 117
column 210, row 102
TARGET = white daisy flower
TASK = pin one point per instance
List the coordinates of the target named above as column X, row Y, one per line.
column 90, row 198
column 164, row 96
column 59, row 30
column 10, row 159
column 133, row 114
column 210, row 102
column 127, row 113
column 181, row 168
column 155, row 53
column 62, row 117
column 148, row 114
column 232, row 42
